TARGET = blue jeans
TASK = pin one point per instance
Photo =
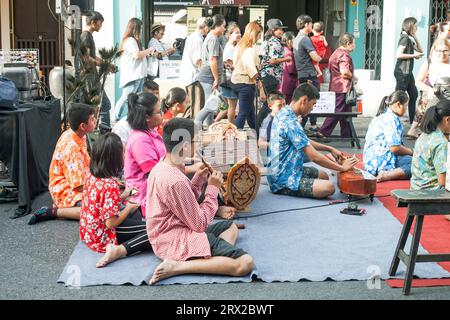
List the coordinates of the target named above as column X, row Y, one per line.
column 105, row 108
column 207, row 112
column 246, row 94
column 121, row 109
column 404, row 163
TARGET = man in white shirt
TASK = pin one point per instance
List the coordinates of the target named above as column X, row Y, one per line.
column 192, row 55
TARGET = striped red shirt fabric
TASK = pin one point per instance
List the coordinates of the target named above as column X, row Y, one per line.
column 176, row 222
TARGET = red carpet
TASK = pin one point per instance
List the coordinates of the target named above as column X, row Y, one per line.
column 435, row 232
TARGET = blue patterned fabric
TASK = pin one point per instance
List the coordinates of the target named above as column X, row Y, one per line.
column 384, row 131
column 429, row 161
column 287, row 141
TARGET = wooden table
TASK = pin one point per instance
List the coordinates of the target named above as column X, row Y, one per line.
column 420, row 204
column 349, row 118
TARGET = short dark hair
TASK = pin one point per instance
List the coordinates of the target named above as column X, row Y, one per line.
column 79, row 113
column 408, row 24
column 275, row 95
column 94, row 16
column 217, row 21
column 107, row 156
column 302, row 20
column 306, row 89
column 139, row 107
column 177, row 131
column 151, row 85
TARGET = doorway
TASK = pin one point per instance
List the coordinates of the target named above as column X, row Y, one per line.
column 35, row 26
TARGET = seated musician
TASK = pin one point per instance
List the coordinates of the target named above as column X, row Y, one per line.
column 179, row 228
column 174, row 104
column 290, row 146
column 430, row 152
column 385, row 156
column 145, row 148
column 69, row 167
column 276, row 101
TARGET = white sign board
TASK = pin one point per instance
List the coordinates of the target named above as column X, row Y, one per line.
column 326, row 103
column 169, row 69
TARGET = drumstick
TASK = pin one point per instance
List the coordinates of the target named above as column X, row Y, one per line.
column 211, row 170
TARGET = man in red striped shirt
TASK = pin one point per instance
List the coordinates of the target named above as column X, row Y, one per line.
column 179, row 228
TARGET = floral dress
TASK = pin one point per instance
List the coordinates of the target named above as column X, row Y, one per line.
column 101, row 201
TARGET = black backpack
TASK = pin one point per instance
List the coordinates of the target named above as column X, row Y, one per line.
column 8, row 94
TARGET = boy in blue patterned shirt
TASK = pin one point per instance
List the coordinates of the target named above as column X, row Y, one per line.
column 290, row 146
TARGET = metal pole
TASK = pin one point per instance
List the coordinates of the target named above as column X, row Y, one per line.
column 63, row 63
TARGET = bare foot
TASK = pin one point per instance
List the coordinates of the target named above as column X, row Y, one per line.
column 382, row 176
column 227, row 213
column 113, row 253
column 165, row 270
column 447, row 217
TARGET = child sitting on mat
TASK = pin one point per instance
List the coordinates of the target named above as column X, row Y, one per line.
column 430, row 153
column 276, row 101
column 179, row 228
column 103, row 227
column 290, row 148
column 176, row 102
column 385, row 156
column 69, row 166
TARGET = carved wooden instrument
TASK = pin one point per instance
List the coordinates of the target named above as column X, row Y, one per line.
column 242, row 184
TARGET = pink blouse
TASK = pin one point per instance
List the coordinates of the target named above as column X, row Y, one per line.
column 176, row 223
column 143, row 151
column 340, row 61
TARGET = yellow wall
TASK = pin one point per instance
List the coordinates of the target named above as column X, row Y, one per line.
column 4, row 27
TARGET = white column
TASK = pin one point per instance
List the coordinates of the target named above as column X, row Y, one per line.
column 105, row 39
column 391, row 29
column 4, row 27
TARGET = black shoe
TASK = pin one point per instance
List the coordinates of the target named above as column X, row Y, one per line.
column 42, row 214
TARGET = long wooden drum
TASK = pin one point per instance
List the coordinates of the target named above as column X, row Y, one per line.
column 357, row 183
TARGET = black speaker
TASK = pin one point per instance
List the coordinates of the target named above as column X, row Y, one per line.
column 85, row 5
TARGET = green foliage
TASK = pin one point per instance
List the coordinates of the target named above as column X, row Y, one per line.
column 88, row 88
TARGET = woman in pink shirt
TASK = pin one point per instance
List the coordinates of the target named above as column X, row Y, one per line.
column 145, row 146
column 179, row 228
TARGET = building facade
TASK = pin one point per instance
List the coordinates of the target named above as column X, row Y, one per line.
column 376, row 24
